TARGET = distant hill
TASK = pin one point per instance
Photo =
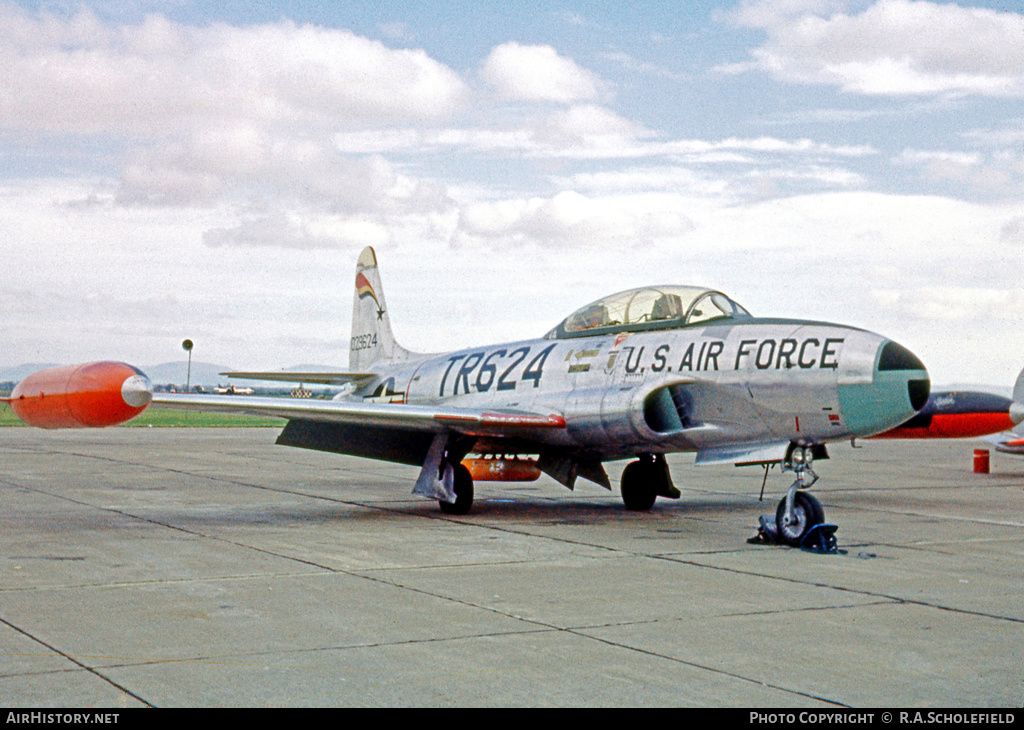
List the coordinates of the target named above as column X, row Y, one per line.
column 203, row 373
column 171, row 372
column 16, row 373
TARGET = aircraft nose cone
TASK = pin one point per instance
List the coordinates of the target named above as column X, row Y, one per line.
column 898, row 389
column 1016, row 412
column 895, row 358
column 137, row 391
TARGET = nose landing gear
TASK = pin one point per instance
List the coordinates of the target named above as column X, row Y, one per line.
column 798, row 512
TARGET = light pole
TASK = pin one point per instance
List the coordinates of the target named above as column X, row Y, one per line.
column 187, row 347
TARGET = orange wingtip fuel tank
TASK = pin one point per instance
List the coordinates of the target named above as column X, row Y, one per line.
column 82, row 396
column 502, row 470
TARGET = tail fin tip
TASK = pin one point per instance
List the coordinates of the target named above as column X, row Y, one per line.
column 367, row 258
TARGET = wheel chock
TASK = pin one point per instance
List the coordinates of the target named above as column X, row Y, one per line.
column 821, row 539
column 766, row 532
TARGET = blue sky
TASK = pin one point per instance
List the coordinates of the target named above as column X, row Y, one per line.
column 211, row 171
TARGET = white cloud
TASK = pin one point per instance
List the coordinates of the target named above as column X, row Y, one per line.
column 933, row 273
column 82, row 76
column 894, row 47
column 537, row 73
column 699, row 189
column 634, row 65
column 770, row 13
column 575, row 220
column 289, row 231
column 588, row 131
column 219, row 168
column 954, row 303
column 218, row 114
column 1012, row 232
column 233, row 165
column 999, row 175
column 918, row 157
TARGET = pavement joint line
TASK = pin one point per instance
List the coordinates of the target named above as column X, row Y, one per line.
column 505, row 529
column 713, row 670
column 74, row 661
column 529, row 530
column 449, row 599
column 854, row 591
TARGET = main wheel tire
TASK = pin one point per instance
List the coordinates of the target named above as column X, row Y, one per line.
column 807, row 512
column 638, row 486
column 463, row 487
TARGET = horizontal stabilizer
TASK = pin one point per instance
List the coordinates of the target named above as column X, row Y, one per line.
column 313, row 378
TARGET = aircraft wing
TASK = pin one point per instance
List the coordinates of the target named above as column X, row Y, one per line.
column 1008, row 442
column 388, row 415
column 1012, row 446
column 744, row 455
column 326, row 378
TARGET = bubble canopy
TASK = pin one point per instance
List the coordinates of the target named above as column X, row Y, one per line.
column 648, row 308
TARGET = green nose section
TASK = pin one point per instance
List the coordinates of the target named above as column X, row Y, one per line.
column 898, row 389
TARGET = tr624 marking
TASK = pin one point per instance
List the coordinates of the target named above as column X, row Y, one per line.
column 480, row 371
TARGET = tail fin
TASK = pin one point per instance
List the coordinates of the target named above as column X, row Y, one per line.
column 372, row 340
column 1017, row 407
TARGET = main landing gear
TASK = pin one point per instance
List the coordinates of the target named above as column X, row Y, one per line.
column 798, row 512
column 644, row 480
column 462, row 485
column 445, row 478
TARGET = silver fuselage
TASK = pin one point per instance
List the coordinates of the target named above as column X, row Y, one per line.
column 697, row 388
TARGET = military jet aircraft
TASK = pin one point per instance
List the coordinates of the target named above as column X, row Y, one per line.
column 635, row 375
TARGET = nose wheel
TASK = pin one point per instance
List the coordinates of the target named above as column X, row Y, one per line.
column 794, row 523
column 798, row 512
